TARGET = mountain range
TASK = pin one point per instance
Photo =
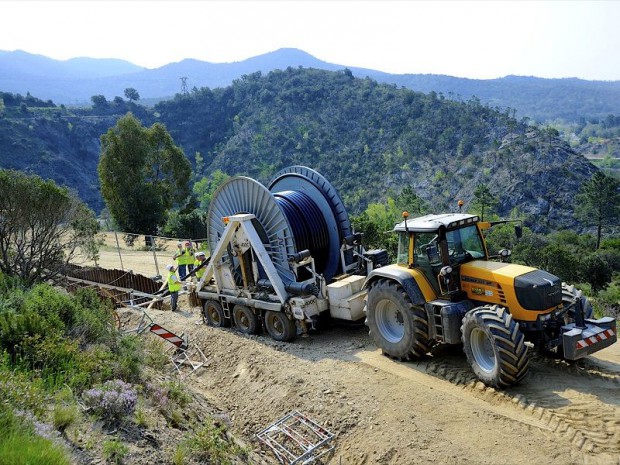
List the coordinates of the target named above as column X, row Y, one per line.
column 75, row 81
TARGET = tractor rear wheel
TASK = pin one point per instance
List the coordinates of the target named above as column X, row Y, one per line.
column 398, row 328
column 213, row 314
column 245, row 319
column 494, row 346
column 279, row 326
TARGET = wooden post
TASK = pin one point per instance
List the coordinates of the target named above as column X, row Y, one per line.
column 155, row 256
column 118, row 247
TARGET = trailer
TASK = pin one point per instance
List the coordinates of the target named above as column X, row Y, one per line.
column 282, row 257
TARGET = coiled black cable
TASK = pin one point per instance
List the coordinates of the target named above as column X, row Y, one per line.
column 307, row 224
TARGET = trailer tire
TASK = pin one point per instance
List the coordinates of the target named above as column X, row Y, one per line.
column 494, row 346
column 398, row 328
column 213, row 314
column 279, row 326
column 245, row 319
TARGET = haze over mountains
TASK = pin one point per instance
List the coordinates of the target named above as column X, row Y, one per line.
column 75, row 81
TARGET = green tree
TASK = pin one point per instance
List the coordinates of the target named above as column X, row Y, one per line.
column 206, row 187
column 42, row 226
column 483, row 200
column 99, row 102
column 409, row 201
column 598, row 203
column 142, row 173
column 377, row 222
column 132, row 94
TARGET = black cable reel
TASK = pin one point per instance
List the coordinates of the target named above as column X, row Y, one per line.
column 300, row 211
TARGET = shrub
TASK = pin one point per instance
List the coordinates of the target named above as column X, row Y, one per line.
column 211, row 445
column 129, row 359
column 115, row 451
column 113, row 400
column 155, row 354
column 178, row 394
column 25, row 441
column 64, row 416
column 19, row 390
column 608, row 300
column 92, row 320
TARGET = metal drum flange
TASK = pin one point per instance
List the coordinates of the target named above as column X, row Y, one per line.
column 245, row 195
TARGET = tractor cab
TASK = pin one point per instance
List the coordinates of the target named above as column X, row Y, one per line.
column 437, row 245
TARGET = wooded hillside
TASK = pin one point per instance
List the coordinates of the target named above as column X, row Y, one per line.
column 368, row 139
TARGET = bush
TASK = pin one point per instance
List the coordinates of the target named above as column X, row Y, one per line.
column 608, row 300
column 129, row 359
column 114, row 400
column 25, row 441
column 19, row 390
column 211, row 445
column 92, row 320
column 64, row 416
column 115, row 451
column 56, row 360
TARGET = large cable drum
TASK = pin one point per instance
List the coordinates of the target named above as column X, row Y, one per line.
column 323, row 195
column 299, row 211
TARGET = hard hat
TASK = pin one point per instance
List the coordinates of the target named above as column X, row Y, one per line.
column 179, row 244
column 199, row 254
column 170, row 267
column 187, row 242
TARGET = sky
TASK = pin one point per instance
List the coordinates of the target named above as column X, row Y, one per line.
column 473, row 39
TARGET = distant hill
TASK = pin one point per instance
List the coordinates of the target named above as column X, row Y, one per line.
column 369, row 139
column 75, row 81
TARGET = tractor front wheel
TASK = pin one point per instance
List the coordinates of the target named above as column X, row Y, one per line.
column 494, row 346
column 570, row 294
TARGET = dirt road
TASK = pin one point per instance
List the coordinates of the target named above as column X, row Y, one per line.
column 389, row 412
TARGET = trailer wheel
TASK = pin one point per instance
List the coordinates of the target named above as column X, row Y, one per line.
column 398, row 328
column 213, row 314
column 279, row 326
column 494, row 346
column 245, row 319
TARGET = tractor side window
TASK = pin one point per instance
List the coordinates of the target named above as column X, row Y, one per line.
column 402, row 257
column 464, row 244
column 426, row 249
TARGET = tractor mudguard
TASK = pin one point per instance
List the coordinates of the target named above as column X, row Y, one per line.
column 403, row 277
column 596, row 335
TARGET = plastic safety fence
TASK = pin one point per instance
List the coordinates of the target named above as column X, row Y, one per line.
column 296, row 438
column 118, row 283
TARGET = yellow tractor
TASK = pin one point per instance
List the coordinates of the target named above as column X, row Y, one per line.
column 445, row 288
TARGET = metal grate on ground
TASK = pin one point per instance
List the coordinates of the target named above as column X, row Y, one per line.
column 295, row 438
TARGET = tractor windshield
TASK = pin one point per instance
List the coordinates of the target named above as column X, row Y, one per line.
column 465, row 244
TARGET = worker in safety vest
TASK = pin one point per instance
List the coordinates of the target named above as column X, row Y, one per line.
column 189, row 257
column 200, row 259
column 174, row 285
column 184, row 257
column 180, row 259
